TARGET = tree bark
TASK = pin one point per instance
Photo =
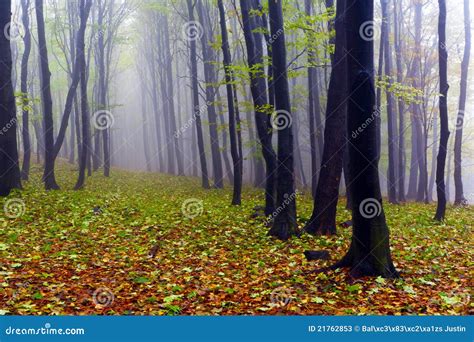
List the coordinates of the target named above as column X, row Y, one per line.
column 25, row 169
column 231, row 105
column 443, row 113
column 323, row 218
column 196, row 107
column 284, row 223
column 369, row 252
column 397, row 19
column 170, row 92
column 391, row 121
column 459, row 198
column 260, row 100
column 10, row 177
column 313, row 110
column 49, row 158
column 85, row 6
column 210, row 79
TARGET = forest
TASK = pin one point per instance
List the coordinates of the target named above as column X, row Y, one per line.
column 236, row 157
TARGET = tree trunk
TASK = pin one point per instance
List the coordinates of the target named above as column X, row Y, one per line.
column 459, row 192
column 102, row 103
column 25, row 169
column 10, row 177
column 313, row 111
column 323, row 218
column 196, row 107
column 225, row 139
column 259, row 95
column 369, row 253
column 443, row 113
column 284, row 223
column 210, row 78
column 391, row 121
column 48, row 175
column 85, row 6
column 417, row 111
column 231, row 105
column 433, row 159
column 170, row 91
column 397, row 19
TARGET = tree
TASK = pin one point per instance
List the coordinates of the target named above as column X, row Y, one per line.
column 25, row 169
column 459, row 191
column 170, row 94
column 85, row 6
column 397, row 19
column 313, row 109
column 48, row 175
column 210, row 79
column 235, row 145
column 323, row 218
column 443, row 113
column 9, row 164
column 253, row 42
column 369, row 252
column 195, row 92
column 391, row 121
column 284, row 223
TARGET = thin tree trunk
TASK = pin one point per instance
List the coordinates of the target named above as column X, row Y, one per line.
column 433, row 158
column 210, row 78
column 397, row 19
column 170, row 92
column 284, row 223
column 196, row 106
column 25, row 169
column 233, row 114
column 225, row 142
column 85, row 6
column 323, row 218
column 391, row 121
column 259, row 95
column 443, row 113
column 48, row 175
column 459, row 198
column 313, row 110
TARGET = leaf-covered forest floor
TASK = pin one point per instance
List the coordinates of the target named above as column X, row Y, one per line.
column 70, row 251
